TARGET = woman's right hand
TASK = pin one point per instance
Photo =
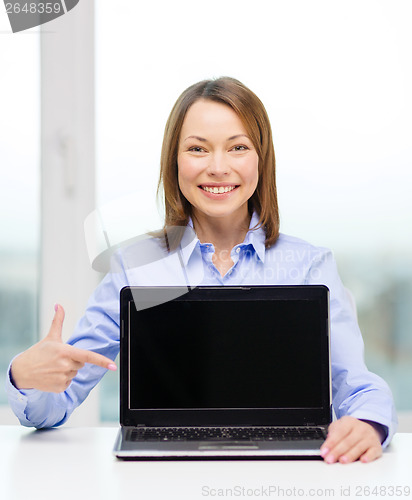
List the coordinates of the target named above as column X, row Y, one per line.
column 50, row 365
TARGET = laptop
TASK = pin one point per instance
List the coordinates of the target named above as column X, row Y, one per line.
column 226, row 372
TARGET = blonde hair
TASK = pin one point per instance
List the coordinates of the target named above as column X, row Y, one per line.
column 253, row 115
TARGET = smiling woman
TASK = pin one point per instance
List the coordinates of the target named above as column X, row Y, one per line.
column 212, row 140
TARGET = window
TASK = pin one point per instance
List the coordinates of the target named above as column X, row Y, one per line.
column 20, row 197
column 335, row 86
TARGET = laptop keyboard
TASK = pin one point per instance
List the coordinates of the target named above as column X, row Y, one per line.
column 224, row 433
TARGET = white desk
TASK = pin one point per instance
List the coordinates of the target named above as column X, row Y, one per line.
column 77, row 463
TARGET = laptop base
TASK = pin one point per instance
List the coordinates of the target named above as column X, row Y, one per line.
column 214, row 450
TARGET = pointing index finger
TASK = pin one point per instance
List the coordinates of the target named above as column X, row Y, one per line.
column 85, row 356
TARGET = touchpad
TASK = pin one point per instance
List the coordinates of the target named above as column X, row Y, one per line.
column 226, row 446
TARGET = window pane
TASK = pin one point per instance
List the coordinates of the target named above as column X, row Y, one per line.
column 340, row 109
column 19, row 187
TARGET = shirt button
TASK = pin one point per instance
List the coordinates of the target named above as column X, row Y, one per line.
column 237, row 249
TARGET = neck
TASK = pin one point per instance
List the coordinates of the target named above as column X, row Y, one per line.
column 223, row 232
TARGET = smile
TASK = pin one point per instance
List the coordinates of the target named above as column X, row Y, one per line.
column 218, row 190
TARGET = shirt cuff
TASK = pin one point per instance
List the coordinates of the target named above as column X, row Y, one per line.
column 18, row 398
column 381, row 429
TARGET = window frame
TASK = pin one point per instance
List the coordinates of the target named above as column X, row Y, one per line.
column 67, row 174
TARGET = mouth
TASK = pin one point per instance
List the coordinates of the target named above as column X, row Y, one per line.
column 219, row 189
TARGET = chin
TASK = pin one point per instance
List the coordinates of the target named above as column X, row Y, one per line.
column 222, row 212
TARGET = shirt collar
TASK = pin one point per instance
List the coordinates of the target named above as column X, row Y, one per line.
column 189, row 242
column 254, row 237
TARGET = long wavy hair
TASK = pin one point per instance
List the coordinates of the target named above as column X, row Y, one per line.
column 254, row 118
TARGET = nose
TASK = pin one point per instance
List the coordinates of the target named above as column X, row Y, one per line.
column 218, row 165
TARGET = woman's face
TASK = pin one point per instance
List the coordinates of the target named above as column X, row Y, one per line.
column 217, row 163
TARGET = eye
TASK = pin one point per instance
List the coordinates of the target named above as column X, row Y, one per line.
column 196, row 149
column 240, row 148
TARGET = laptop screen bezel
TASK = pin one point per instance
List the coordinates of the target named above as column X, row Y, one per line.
column 210, row 417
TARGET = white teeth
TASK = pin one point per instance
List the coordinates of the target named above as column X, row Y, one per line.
column 218, row 190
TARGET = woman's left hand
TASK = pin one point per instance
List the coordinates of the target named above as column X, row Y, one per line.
column 349, row 439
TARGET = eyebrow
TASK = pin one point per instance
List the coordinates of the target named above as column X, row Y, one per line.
column 202, row 139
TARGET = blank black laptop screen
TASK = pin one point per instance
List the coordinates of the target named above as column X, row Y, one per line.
column 198, row 354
